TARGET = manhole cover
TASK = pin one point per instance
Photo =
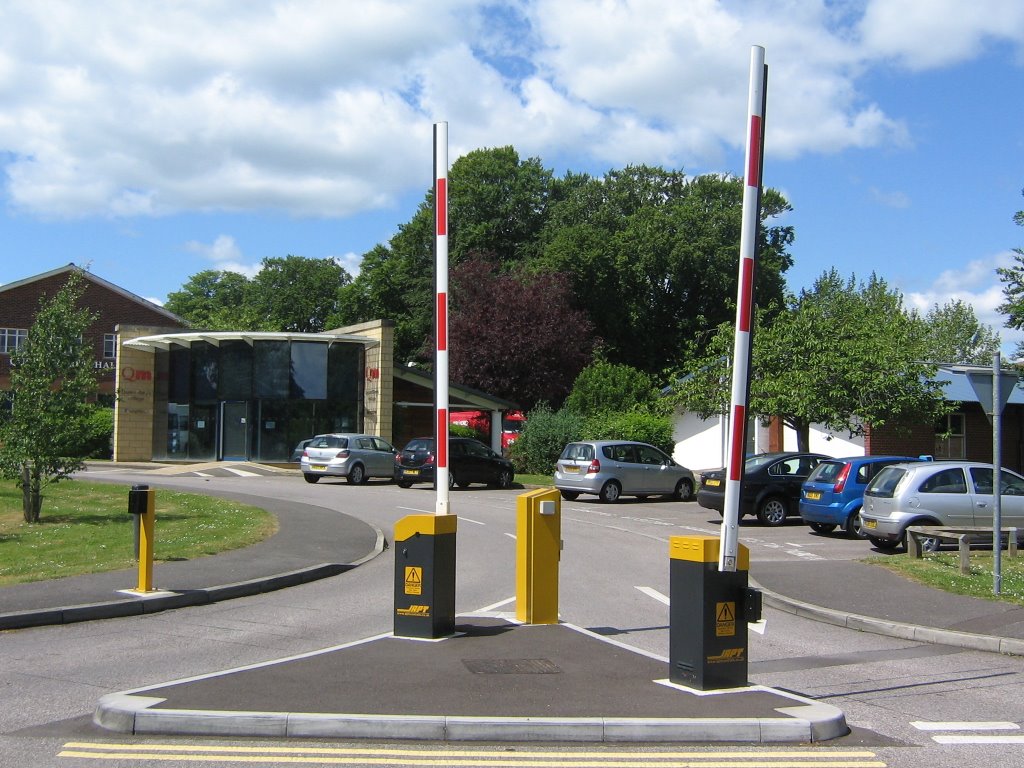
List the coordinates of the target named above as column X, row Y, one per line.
column 511, row 667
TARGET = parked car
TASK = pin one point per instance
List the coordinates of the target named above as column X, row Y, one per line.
column 953, row 493
column 300, row 449
column 771, row 485
column 469, row 461
column 831, row 497
column 355, row 457
column 614, row 468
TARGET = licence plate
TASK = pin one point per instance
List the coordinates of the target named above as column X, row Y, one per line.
column 571, row 469
column 870, row 523
column 318, row 467
column 412, row 471
column 712, row 483
column 813, row 495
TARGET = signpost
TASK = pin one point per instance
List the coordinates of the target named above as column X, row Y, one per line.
column 993, row 391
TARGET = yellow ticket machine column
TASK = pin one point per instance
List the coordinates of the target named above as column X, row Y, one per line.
column 142, row 506
column 538, row 549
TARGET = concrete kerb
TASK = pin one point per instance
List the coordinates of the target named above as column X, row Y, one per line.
column 127, row 713
column 912, row 632
column 145, row 605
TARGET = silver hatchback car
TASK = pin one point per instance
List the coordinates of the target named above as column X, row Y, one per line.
column 356, row 457
column 952, row 493
column 614, row 468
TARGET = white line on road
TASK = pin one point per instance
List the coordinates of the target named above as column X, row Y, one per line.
column 495, row 606
column 511, row 536
column 469, row 520
column 979, row 739
column 965, row 725
column 650, row 592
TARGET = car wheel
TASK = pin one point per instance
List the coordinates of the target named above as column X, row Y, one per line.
column 683, row 491
column 885, row 544
column 823, row 527
column 310, row 478
column 610, row 492
column 357, row 475
column 569, row 495
column 462, row 483
column 772, row 511
column 451, row 481
column 504, row 479
column 855, row 526
column 404, row 484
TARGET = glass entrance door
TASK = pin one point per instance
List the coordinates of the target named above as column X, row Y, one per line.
column 234, row 441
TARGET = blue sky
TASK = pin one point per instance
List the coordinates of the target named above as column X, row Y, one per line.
column 151, row 141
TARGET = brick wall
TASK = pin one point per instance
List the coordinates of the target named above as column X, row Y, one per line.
column 19, row 305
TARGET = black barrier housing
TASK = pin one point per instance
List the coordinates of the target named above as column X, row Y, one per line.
column 425, row 577
column 708, row 615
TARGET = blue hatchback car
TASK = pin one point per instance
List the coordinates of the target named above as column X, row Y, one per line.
column 833, row 493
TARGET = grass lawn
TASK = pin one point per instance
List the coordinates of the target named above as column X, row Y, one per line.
column 86, row 528
column 942, row 570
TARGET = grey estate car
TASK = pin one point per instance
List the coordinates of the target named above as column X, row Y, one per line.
column 614, row 468
column 356, row 457
column 952, row 493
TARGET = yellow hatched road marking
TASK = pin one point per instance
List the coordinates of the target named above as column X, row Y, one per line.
column 473, row 757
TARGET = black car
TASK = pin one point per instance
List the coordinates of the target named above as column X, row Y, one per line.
column 771, row 485
column 469, row 461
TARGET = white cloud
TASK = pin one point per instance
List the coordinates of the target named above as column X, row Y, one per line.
column 976, row 284
column 893, row 199
column 319, row 108
column 225, row 255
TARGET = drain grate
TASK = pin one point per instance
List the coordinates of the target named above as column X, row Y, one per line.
column 511, row 667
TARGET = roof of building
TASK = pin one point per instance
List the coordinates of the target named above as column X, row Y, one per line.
column 958, row 385
column 185, row 339
column 458, row 395
column 98, row 281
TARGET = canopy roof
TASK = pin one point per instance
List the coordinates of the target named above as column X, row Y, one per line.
column 166, row 340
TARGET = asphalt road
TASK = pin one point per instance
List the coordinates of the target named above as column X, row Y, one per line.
column 614, row 579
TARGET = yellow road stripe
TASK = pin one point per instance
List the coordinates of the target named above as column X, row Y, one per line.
column 691, row 754
column 756, row 760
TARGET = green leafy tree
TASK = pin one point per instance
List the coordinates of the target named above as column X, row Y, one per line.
column 604, row 387
column 296, row 294
column 51, row 382
column 213, row 300
column 1013, row 287
column 954, row 335
column 653, row 258
column 825, row 360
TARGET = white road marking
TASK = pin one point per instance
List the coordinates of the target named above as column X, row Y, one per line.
column 241, row 472
column 469, row 520
column 496, row 606
column 650, row 592
column 511, row 536
column 979, row 739
column 420, row 511
column 965, row 725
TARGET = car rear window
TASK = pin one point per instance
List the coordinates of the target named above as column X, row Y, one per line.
column 885, row 482
column 330, row 441
column 578, row 452
column 826, row 472
column 418, row 446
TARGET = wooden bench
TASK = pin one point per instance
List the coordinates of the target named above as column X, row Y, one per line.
column 963, row 537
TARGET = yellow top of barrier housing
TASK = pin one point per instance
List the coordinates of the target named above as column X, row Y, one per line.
column 703, row 549
column 427, row 525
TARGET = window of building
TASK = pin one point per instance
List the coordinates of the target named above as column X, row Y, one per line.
column 949, row 437
column 11, row 339
column 109, row 346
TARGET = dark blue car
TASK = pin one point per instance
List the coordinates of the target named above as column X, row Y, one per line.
column 832, row 495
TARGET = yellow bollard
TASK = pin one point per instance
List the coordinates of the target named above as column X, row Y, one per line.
column 538, row 550
column 142, row 502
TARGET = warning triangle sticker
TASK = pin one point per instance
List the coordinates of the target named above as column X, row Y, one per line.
column 726, row 612
column 413, row 575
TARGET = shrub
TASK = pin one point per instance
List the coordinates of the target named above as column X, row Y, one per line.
column 633, row 425
column 543, row 438
column 96, row 441
column 460, row 430
column 603, row 386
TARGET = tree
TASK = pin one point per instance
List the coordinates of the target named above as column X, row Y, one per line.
column 51, row 382
column 1013, row 287
column 515, row 334
column 956, row 336
column 653, row 258
column 213, row 300
column 604, row 387
column 825, row 360
column 496, row 206
column 296, row 294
